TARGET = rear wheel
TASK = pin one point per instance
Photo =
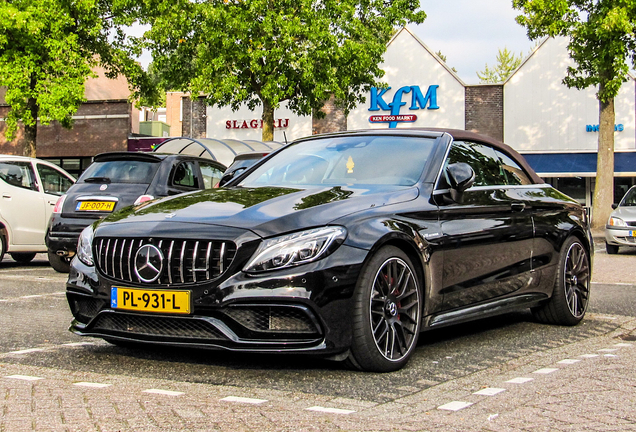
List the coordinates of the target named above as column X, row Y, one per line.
column 571, row 287
column 59, row 264
column 386, row 313
column 22, row 257
column 611, row 249
column 3, row 246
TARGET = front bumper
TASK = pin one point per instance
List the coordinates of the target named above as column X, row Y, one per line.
column 300, row 309
column 620, row 236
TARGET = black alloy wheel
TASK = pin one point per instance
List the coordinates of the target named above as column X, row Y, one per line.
column 571, row 288
column 386, row 313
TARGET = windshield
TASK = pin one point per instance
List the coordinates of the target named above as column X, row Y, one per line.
column 121, row 171
column 630, row 198
column 347, row 160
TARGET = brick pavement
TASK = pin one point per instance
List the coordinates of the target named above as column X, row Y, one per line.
column 585, row 385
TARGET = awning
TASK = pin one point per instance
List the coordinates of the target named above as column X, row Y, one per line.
column 579, row 164
column 219, row 150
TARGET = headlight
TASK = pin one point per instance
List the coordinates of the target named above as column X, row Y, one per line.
column 614, row 221
column 295, row 249
column 84, row 246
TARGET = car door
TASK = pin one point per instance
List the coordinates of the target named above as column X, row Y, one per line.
column 23, row 206
column 53, row 184
column 488, row 236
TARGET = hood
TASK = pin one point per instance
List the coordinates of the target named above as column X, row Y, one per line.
column 627, row 213
column 266, row 211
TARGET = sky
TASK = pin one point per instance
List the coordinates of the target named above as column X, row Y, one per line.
column 471, row 32
column 468, row 32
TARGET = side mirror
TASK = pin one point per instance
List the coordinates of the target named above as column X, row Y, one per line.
column 459, row 176
column 614, row 206
column 230, row 175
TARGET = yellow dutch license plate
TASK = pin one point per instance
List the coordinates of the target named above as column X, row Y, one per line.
column 108, row 206
column 144, row 300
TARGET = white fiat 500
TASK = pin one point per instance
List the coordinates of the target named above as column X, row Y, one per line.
column 29, row 189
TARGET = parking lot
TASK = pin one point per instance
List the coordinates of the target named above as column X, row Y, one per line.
column 504, row 373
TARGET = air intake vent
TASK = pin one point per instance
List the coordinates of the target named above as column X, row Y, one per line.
column 180, row 261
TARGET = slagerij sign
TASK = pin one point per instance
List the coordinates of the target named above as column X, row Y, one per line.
column 418, row 101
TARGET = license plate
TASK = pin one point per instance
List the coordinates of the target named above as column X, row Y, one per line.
column 108, row 206
column 144, row 300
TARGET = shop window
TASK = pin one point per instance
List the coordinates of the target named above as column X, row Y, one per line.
column 574, row 187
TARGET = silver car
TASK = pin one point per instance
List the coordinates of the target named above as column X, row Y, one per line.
column 621, row 226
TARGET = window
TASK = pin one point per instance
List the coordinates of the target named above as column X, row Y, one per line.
column 211, row 175
column 515, row 175
column 53, row 181
column 482, row 159
column 19, row 174
column 121, row 171
column 184, row 175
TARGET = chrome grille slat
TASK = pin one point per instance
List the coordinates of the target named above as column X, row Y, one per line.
column 196, row 261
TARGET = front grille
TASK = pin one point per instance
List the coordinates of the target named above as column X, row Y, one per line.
column 273, row 319
column 183, row 328
column 184, row 261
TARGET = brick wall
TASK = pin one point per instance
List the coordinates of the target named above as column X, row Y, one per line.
column 484, row 110
column 99, row 126
column 198, row 109
column 173, row 112
column 334, row 121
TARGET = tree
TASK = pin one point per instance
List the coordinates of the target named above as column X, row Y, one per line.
column 48, row 49
column 507, row 62
column 602, row 42
column 264, row 52
column 442, row 57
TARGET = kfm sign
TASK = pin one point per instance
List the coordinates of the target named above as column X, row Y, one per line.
column 418, row 101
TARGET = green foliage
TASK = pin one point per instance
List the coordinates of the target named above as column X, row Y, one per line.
column 602, row 33
column 265, row 52
column 442, row 57
column 507, row 62
column 48, row 49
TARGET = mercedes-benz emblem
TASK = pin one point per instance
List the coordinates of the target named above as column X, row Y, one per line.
column 148, row 263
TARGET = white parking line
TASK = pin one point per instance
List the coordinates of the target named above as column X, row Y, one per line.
column 163, row 392
column 545, row 371
column 490, row 391
column 568, row 361
column 244, row 400
column 589, row 355
column 329, row 410
column 454, row 406
column 520, row 380
column 24, row 377
column 92, row 385
column 26, row 351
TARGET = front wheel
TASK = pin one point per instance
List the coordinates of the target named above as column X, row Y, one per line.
column 611, row 249
column 386, row 314
column 571, row 287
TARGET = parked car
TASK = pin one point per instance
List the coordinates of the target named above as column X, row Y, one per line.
column 621, row 225
column 30, row 188
column 345, row 245
column 116, row 180
column 241, row 162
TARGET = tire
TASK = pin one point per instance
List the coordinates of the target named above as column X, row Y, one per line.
column 611, row 249
column 3, row 246
column 571, row 292
column 386, row 316
column 22, row 257
column 59, row 264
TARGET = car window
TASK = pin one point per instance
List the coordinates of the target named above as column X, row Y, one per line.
column 18, row 174
column 481, row 158
column 349, row 160
column 185, row 175
column 121, row 171
column 53, row 181
column 630, row 198
column 515, row 175
column 211, row 175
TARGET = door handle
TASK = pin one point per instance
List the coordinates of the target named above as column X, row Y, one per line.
column 6, row 195
column 517, row 206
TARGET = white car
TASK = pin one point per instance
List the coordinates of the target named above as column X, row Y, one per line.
column 29, row 189
column 621, row 226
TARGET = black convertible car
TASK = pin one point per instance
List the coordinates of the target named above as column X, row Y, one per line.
column 346, row 245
